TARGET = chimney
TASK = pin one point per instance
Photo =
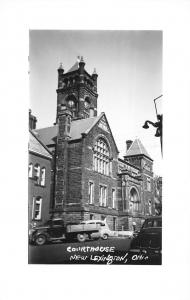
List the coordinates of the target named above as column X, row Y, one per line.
column 32, row 121
column 128, row 144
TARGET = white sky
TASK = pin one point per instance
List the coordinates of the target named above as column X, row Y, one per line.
column 129, row 67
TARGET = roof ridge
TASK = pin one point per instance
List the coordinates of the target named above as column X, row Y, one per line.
column 137, row 148
column 96, row 119
column 140, row 145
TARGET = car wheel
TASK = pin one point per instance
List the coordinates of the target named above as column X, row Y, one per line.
column 105, row 236
column 40, row 240
column 81, row 237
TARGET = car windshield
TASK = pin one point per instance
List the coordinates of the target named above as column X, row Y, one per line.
column 100, row 223
column 152, row 223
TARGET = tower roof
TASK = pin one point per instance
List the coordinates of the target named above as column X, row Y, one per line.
column 137, row 148
column 75, row 66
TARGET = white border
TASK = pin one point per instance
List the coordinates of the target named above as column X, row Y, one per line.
column 22, row 281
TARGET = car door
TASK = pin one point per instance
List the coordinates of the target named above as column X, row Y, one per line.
column 57, row 229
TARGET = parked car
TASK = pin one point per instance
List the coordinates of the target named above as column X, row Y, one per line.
column 105, row 232
column 149, row 240
column 55, row 229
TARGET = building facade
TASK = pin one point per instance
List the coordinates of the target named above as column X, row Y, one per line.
column 39, row 186
column 88, row 179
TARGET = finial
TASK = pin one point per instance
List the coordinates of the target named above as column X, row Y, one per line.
column 61, row 66
column 94, row 72
column 81, row 59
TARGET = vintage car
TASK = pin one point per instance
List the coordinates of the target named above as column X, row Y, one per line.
column 105, row 232
column 55, row 229
column 149, row 240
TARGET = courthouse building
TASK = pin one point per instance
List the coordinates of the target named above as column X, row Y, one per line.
column 88, row 179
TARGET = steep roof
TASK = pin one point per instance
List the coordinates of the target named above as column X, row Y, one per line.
column 74, row 67
column 37, row 146
column 137, row 148
column 78, row 127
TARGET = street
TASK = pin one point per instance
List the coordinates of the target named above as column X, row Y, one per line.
column 75, row 252
column 111, row 251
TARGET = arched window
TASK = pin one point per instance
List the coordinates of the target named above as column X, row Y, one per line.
column 101, row 161
column 30, row 170
column 43, row 176
column 134, row 200
column 72, row 104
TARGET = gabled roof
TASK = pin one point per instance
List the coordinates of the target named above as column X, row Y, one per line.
column 78, row 128
column 47, row 135
column 37, row 146
column 137, row 148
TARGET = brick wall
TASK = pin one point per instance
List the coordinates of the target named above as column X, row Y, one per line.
column 88, row 174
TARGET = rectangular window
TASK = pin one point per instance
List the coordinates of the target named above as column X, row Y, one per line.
column 114, row 223
column 110, row 167
column 113, row 198
column 37, row 208
column 91, row 192
column 107, row 168
column 100, row 195
column 30, row 170
column 95, row 163
column 37, row 173
column 43, row 175
column 148, row 184
column 103, row 195
column 145, row 182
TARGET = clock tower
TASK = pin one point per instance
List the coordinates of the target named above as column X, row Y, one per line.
column 77, row 91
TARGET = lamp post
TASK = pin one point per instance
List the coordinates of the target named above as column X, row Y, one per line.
column 158, row 124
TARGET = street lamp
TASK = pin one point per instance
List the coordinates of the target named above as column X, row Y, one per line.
column 157, row 125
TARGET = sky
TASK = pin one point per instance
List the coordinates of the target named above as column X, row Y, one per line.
column 129, row 68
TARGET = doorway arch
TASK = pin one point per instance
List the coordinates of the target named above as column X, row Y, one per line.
column 134, row 200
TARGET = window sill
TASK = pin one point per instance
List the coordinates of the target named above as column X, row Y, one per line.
column 38, row 184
